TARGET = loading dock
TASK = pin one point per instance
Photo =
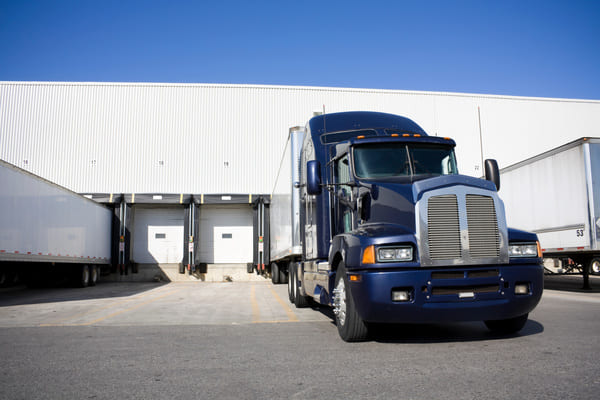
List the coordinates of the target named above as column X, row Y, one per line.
column 226, row 234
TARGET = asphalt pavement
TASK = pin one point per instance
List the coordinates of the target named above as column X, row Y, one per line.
column 245, row 341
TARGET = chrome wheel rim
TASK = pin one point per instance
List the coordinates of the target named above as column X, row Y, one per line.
column 596, row 267
column 339, row 302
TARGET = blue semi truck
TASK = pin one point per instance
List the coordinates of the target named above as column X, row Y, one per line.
column 387, row 231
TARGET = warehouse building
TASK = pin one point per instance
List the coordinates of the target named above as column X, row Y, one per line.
column 189, row 168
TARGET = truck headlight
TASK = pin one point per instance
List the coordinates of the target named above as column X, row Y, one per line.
column 394, row 254
column 524, row 250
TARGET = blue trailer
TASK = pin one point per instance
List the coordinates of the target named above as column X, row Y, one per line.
column 391, row 233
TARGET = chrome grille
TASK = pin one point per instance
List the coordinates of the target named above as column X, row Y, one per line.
column 484, row 238
column 443, row 228
column 462, row 228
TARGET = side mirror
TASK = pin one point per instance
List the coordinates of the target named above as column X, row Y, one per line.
column 492, row 172
column 364, row 206
column 313, row 177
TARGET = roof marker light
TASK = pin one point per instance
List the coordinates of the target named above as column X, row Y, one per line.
column 417, row 135
column 405, row 135
column 394, row 135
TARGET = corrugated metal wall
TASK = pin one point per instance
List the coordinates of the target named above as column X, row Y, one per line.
column 192, row 138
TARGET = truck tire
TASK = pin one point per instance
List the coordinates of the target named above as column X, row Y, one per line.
column 283, row 278
column 507, row 326
column 300, row 301
column 93, row 275
column 83, row 276
column 274, row 273
column 350, row 325
column 594, row 266
column 290, row 286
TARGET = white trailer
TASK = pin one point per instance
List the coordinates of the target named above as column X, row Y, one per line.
column 47, row 230
column 284, row 223
column 557, row 195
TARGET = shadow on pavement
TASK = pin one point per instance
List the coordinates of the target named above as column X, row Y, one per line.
column 435, row 333
column 445, row 333
column 571, row 283
column 22, row 295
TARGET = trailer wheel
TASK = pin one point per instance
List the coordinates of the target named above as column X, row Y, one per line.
column 290, row 286
column 594, row 266
column 300, row 301
column 83, row 276
column 507, row 326
column 93, row 275
column 283, row 277
column 274, row 273
column 350, row 325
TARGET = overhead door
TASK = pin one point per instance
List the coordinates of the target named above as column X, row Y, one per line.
column 226, row 234
column 158, row 235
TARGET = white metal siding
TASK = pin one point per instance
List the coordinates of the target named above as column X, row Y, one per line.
column 212, row 139
column 158, row 235
column 226, row 234
column 560, row 202
column 41, row 221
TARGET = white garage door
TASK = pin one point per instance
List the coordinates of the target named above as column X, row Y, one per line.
column 226, row 234
column 157, row 235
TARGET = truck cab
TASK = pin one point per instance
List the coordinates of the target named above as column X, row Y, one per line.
column 392, row 233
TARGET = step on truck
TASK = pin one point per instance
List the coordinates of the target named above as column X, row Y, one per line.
column 377, row 223
column 49, row 233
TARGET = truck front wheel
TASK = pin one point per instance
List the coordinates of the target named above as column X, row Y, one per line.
column 507, row 326
column 350, row 326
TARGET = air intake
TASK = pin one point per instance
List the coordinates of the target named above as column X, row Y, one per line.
column 443, row 228
column 484, row 239
column 461, row 229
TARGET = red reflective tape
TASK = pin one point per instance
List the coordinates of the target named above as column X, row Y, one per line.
column 580, row 248
column 16, row 252
column 28, row 252
column 2, row 251
column 560, row 248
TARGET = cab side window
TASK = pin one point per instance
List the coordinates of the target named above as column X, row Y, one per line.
column 344, row 213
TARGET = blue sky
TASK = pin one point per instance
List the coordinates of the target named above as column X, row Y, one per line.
column 523, row 48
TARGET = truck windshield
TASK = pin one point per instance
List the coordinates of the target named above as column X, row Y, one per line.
column 389, row 160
